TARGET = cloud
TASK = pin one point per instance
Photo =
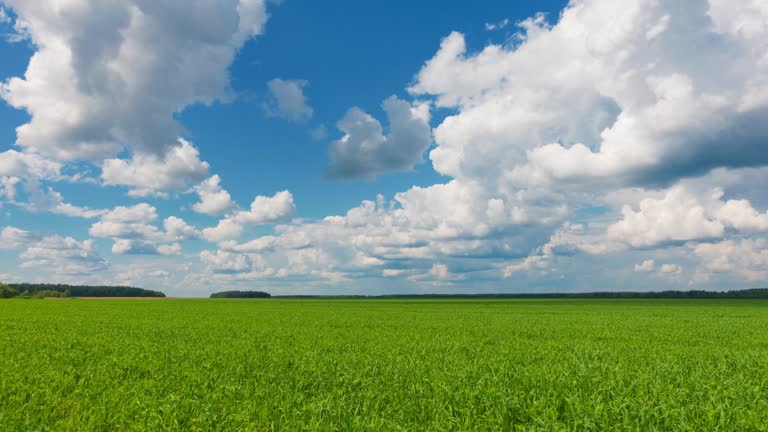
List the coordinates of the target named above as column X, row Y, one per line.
column 44, row 199
column 109, row 75
column 611, row 127
column 264, row 210
column 140, row 247
column 133, row 231
column 148, row 174
column 18, row 164
column 225, row 262
column 63, row 255
column 543, row 259
column 177, row 229
column 680, row 216
column 364, row 150
column 139, row 213
column 747, row 258
column 226, row 229
column 214, row 200
column 4, row 18
column 14, row 238
column 590, row 100
column 646, row 266
column 658, row 221
column 742, row 216
column 133, row 247
column 261, row 244
column 287, row 100
column 498, row 25
column 445, row 224
column 439, row 271
column 670, row 269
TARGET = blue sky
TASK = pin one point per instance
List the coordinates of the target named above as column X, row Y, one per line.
column 350, row 147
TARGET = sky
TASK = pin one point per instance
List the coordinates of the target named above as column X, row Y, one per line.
column 347, row 147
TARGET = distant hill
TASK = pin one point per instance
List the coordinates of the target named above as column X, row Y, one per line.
column 241, row 294
column 755, row 293
column 87, row 291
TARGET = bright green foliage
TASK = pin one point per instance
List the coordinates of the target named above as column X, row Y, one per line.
column 381, row 365
column 50, row 294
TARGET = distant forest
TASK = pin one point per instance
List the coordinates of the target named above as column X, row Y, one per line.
column 755, row 293
column 85, row 291
column 241, row 294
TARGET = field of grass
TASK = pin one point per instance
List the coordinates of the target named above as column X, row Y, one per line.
column 380, row 365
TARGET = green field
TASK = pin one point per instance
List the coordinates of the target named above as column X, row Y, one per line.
column 381, row 365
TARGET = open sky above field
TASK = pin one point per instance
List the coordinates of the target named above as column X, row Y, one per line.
column 347, row 147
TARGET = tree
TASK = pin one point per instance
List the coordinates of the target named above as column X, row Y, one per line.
column 241, row 294
column 7, row 292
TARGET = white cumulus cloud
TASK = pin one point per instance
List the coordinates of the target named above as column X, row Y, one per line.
column 287, row 100
column 364, row 150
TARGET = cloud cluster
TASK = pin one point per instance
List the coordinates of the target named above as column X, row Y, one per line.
column 134, row 232
column 364, row 150
column 264, row 210
column 634, row 127
column 148, row 174
column 110, row 75
column 63, row 255
column 610, row 97
column 214, row 200
column 425, row 234
column 746, row 257
column 639, row 98
column 107, row 80
column 680, row 216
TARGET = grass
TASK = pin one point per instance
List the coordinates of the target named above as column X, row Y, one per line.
column 383, row 365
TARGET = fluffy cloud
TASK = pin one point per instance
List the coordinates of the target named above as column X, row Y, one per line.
column 148, row 174
column 112, row 74
column 667, row 269
column 742, row 216
column 443, row 224
column 133, row 231
column 677, row 217
column 646, row 266
column 140, row 247
column 18, row 164
column 226, row 229
column 225, row 262
column 264, row 210
column 177, row 229
column 619, row 100
column 214, row 200
column 64, row 255
column 748, row 258
column 44, row 199
column 287, row 100
column 681, row 216
column 364, row 150
column 13, row 238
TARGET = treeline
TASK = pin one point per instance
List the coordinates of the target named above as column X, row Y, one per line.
column 755, row 293
column 241, row 294
column 33, row 290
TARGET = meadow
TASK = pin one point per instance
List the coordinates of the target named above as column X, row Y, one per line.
column 383, row 365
